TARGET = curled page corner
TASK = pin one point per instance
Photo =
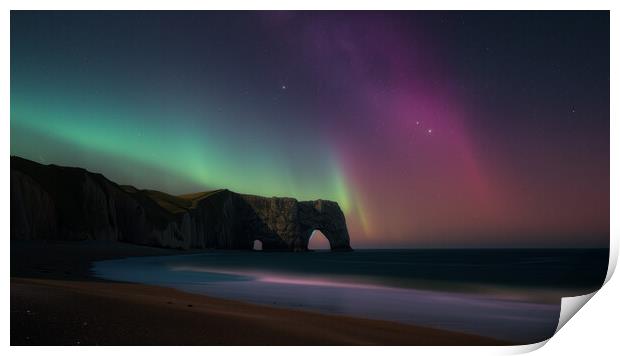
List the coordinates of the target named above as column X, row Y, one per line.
column 570, row 306
column 524, row 349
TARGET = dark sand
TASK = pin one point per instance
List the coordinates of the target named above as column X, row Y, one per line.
column 55, row 301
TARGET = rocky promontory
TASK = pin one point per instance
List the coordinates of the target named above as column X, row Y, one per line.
column 50, row 202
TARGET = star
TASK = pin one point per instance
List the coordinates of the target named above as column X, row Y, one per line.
column 430, row 131
column 283, row 87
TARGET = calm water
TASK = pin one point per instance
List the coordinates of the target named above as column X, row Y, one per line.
column 507, row 294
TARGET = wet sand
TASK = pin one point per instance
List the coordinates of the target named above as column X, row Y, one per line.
column 56, row 301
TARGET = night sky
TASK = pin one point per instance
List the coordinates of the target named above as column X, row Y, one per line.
column 431, row 129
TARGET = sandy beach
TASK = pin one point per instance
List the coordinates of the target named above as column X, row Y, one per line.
column 56, row 301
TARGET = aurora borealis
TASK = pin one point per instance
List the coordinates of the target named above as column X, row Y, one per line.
column 431, row 129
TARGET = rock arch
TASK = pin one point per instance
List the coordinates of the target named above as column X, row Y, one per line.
column 325, row 216
column 287, row 224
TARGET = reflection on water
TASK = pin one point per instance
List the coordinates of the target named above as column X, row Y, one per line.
column 359, row 284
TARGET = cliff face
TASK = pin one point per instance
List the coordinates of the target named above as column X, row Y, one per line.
column 63, row 203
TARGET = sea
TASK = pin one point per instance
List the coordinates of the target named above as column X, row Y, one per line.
column 508, row 294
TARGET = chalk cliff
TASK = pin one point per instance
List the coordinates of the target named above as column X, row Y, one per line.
column 64, row 203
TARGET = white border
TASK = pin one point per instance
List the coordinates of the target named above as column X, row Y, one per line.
column 594, row 327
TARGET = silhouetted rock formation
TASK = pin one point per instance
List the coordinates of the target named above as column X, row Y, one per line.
column 64, row 203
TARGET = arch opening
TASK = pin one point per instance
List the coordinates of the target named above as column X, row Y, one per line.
column 257, row 246
column 318, row 242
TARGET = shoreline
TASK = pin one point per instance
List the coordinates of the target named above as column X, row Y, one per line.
column 55, row 300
